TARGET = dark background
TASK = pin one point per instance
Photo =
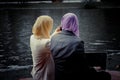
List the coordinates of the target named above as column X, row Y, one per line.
column 99, row 29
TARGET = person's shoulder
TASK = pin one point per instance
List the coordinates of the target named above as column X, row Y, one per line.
column 32, row 36
column 48, row 40
column 47, row 43
column 81, row 41
column 56, row 36
column 78, row 41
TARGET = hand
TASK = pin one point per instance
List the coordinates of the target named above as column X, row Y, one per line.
column 97, row 68
column 57, row 30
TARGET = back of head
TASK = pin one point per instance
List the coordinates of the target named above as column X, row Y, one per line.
column 42, row 26
column 70, row 22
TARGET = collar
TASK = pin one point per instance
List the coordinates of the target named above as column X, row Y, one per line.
column 66, row 32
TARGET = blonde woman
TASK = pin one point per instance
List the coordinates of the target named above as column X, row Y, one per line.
column 43, row 64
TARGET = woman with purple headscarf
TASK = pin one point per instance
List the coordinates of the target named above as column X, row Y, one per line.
column 70, row 23
column 68, row 52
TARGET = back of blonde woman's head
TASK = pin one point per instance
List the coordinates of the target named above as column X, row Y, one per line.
column 42, row 27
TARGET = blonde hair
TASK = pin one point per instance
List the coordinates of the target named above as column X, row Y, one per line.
column 42, row 27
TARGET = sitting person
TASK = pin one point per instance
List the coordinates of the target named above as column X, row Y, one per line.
column 43, row 64
column 68, row 52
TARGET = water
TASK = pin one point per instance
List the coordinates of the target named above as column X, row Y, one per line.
column 99, row 29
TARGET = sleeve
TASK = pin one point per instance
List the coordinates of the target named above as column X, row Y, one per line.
column 80, row 47
column 47, row 44
column 30, row 41
column 81, row 56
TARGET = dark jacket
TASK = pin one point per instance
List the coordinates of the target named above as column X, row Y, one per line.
column 68, row 53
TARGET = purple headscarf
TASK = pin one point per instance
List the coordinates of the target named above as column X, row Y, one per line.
column 70, row 22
